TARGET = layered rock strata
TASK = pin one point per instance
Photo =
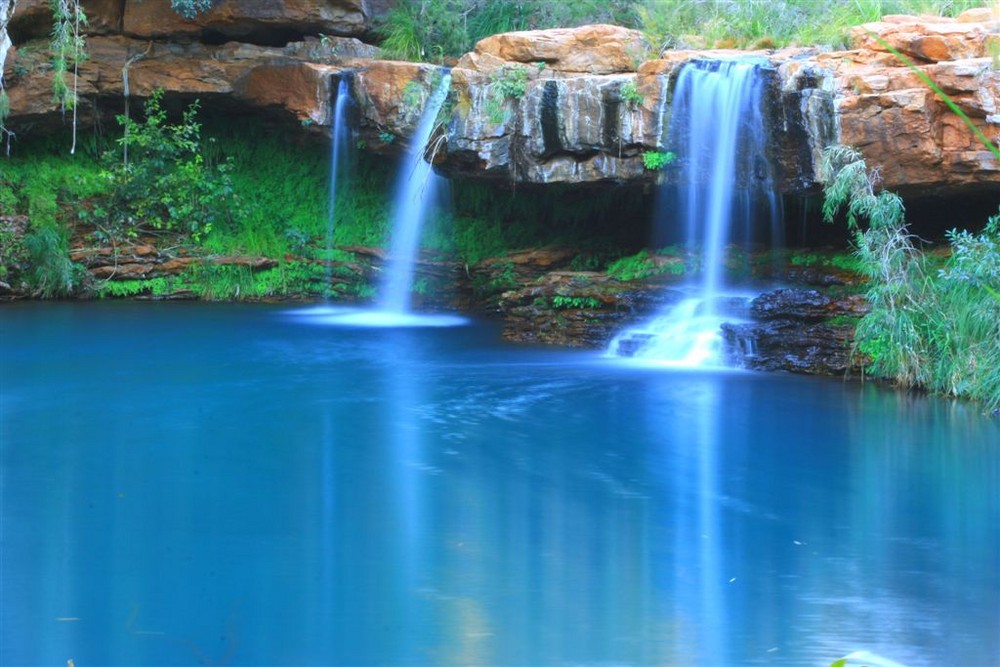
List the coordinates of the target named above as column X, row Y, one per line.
column 558, row 106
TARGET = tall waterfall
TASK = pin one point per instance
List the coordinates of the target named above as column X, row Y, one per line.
column 340, row 142
column 414, row 198
column 725, row 185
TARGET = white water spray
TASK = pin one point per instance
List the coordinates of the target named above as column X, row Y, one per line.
column 717, row 130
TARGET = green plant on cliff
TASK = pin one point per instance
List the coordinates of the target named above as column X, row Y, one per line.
column 630, row 95
column 166, row 183
column 657, row 160
column 928, row 327
column 509, row 82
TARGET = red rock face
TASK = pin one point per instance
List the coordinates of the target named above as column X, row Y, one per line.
column 240, row 19
column 574, row 123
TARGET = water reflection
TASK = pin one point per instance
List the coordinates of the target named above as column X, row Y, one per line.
column 318, row 495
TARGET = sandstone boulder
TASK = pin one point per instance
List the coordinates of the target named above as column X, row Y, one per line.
column 929, row 39
column 592, row 49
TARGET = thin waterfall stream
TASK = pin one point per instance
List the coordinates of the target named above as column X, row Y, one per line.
column 717, row 130
column 339, row 141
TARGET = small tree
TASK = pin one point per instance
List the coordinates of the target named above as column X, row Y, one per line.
column 166, row 183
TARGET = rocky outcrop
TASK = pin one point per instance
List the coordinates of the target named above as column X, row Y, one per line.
column 802, row 331
column 890, row 114
column 264, row 22
column 558, row 106
column 593, row 123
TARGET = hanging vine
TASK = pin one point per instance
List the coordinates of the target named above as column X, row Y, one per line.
column 68, row 49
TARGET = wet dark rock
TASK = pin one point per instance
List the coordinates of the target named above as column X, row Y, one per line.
column 803, row 305
column 797, row 330
column 787, row 345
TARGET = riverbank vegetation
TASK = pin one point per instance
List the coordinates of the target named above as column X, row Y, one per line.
column 438, row 30
column 935, row 318
column 232, row 186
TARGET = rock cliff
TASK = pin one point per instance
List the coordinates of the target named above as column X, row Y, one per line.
column 556, row 106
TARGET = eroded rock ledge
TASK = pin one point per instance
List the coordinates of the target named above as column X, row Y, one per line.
column 592, row 102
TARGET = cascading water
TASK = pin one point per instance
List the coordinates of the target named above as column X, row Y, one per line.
column 340, row 136
column 717, row 131
column 414, row 199
column 415, row 194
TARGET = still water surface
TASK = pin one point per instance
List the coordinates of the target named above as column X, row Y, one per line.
column 193, row 484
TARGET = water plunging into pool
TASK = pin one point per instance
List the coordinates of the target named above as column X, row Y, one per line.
column 414, row 199
column 717, row 131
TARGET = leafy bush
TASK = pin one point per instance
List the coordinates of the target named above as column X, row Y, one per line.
column 774, row 23
column 630, row 95
column 435, row 30
column 560, row 302
column 51, row 272
column 510, row 82
column 164, row 182
column 657, row 160
column 936, row 329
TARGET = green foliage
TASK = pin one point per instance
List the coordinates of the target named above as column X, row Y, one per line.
column 436, row 30
column 129, row 288
column 657, row 160
column 51, row 272
column 842, row 261
column 936, row 329
column 166, row 183
column 510, row 82
column 426, row 30
column 630, row 95
column 189, row 9
column 774, row 23
column 643, row 265
column 560, row 302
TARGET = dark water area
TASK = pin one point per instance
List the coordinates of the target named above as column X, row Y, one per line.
column 188, row 484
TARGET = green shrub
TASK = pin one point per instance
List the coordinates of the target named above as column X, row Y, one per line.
column 774, row 23
column 164, row 182
column 931, row 328
column 657, row 160
column 51, row 273
column 560, row 302
column 630, row 95
column 510, row 82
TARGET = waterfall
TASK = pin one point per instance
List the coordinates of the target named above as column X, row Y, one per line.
column 725, row 183
column 340, row 136
column 414, row 198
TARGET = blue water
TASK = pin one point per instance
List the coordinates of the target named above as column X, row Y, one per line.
column 191, row 484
